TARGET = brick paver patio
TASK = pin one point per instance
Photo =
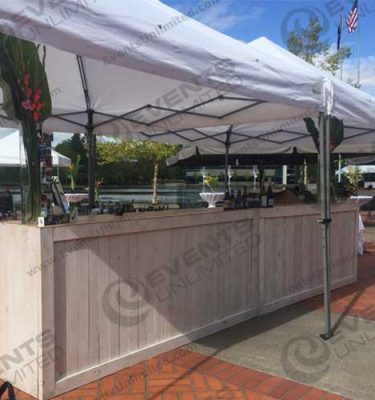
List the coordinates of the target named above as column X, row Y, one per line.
column 185, row 375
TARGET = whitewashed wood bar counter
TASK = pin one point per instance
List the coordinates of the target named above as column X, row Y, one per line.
column 81, row 301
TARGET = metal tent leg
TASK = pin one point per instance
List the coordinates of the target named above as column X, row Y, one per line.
column 325, row 220
column 92, row 168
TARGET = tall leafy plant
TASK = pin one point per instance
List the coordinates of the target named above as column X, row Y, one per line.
column 336, row 136
column 26, row 98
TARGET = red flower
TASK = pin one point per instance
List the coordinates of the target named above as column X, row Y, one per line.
column 26, row 80
column 37, row 95
column 27, row 105
column 36, row 116
column 39, row 106
column 29, row 92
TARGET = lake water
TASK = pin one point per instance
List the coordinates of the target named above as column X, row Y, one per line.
column 183, row 195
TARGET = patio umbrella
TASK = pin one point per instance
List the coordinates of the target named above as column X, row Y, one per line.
column 201, row 155
column 364, row 169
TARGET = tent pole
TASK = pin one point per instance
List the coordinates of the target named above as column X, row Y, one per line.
column 92, row 160
column 227, row 166
column 325, row 220
column 227, row 146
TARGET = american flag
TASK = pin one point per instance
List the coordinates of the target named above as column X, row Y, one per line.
column 352, row 20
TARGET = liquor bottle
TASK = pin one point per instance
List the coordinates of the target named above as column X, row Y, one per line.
column 227, row 201
column 232, row 200
column 270, row 198
column 238, row 200
column 245, row 195
column 263, row 196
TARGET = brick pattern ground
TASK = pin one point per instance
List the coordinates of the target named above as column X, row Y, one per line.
column 185, row 375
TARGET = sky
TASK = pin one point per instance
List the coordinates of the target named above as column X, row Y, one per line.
column 247, row 20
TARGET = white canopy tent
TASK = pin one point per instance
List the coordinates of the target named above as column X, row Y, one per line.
column 141, row 69
column 354, row 107
column 12, row 153
column 190, row 75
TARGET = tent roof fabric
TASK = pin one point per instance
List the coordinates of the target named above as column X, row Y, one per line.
column 10, row 151
column 144, row 67
column 355, row 107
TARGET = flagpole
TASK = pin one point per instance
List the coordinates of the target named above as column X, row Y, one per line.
column 358, row 49
column 342, row 61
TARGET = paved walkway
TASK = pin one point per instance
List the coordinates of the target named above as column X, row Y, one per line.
column 251, row 360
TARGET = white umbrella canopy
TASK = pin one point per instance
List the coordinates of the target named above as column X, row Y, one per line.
column 13, row 155
column 364, row 169
column 192, row 151
column 144, row 67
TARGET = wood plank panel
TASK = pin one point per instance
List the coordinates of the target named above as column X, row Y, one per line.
column 20, row 307
column 291, row 265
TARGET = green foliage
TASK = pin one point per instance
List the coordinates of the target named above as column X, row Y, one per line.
column 27, row 98
column 212, row 182
column 313, row 130
column 134, row 150
column 353, row 177
column 336, row 132
column 73, row 171
column 134, row 161
column 24, row 79
column 75, row 149
column 308, row 45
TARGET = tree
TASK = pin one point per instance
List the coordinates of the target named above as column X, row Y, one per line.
column 143, row 153
column 309, row 46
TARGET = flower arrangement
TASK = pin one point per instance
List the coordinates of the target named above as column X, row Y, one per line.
column 212, row 182
column 73, row 169
column 98, row 183
column 32, row 102
column 27, row 98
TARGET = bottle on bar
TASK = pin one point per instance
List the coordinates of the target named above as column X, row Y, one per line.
column 232, row 200
column 227, row 201
column 245, row 196
column 238, row 200
column 270, row 198
column 263, row 196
